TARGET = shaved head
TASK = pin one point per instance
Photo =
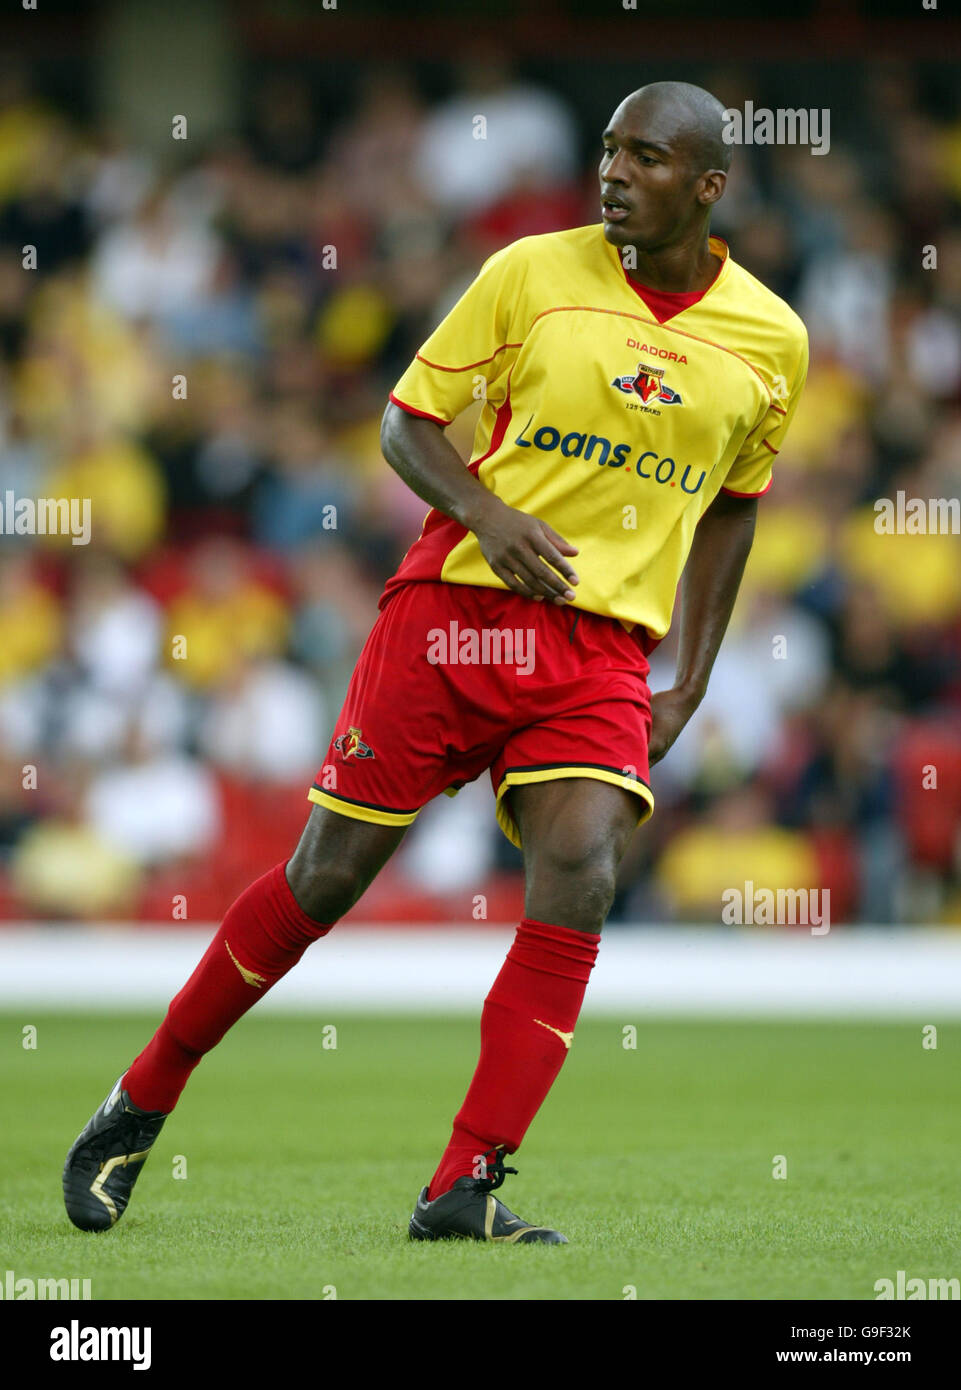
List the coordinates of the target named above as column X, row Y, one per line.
column 697, row 119
column 663, row 167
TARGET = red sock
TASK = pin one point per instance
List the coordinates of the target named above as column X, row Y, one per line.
column 526, row 1029
column 263, row 935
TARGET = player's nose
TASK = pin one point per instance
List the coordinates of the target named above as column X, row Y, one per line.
column 616, row 170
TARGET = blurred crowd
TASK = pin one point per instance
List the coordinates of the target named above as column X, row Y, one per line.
column 204, row 349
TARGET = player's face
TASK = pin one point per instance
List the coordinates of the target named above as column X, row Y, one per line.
column 649, row 191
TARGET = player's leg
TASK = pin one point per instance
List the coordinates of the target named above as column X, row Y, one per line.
column 263, row 935
column 574, row 833
column 390, row 754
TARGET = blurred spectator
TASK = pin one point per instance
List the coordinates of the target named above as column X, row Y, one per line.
column 265, row 721
column 734, row 846
column 122, row 484
column 30, row 620
column 154, row 806
column 224, row 613
column 63, row 868
column 155, row 265
column 306, row 491
column 114, row 627
column 46, row 213
column 494, row 135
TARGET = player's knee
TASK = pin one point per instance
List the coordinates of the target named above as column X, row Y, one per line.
column 581, row 901
column 596, row 894
column 325, row 888
column 336, row 860
column 575, row 871
column 577, row 854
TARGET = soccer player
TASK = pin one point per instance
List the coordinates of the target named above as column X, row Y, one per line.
column 637, row 385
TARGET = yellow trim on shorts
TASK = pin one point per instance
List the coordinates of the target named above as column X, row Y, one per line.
column 551, row 774
column 368, row 813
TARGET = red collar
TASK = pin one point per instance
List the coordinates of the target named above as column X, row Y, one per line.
column 664, row 304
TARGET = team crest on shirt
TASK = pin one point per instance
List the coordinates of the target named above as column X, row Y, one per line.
column 351, row 745
column 648, row 383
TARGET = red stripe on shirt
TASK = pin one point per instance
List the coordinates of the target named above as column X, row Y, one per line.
column 423, row 414
column 438, row 367
column 731, row 493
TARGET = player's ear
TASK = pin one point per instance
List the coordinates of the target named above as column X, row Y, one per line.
column 711, row 186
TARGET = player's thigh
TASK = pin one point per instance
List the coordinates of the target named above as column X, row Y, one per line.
column 575, row 818
column 575, row 833
column 337, row 859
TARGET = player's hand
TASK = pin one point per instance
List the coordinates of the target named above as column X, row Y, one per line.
column 670, row 711
column 527, row 554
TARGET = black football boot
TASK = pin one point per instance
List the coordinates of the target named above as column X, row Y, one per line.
column 470, row 1211
column 106, row 1160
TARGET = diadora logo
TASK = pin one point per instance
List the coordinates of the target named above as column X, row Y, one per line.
column 597, row 448
column 648, row 383
column 652, row 351
column 351, row 745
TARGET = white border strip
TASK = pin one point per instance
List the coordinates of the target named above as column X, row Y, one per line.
column 892, row 972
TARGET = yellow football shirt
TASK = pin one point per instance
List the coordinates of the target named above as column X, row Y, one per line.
column 615, row 429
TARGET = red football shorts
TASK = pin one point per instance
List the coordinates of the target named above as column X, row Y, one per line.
column 456, row 678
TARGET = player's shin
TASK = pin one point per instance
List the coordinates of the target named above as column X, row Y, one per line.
column 527, row 1027
column 262, row 937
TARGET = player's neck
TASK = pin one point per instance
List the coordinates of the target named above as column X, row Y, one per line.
column 684, row 268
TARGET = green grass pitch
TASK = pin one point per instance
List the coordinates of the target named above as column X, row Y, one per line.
column 303, row 1162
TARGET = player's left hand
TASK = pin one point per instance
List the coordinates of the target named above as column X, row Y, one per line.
column 670, row 711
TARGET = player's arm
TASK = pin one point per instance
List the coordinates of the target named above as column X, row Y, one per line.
column 712, row 577
column 515, row 545
column 722, row 543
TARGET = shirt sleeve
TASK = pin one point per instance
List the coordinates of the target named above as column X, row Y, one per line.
column 469, row 355
column 752, row 472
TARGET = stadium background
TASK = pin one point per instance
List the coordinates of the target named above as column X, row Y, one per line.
column 287, row 258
